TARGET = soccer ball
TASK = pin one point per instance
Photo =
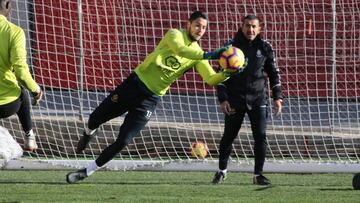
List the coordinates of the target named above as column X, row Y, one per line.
column 232, row 59
column 356, row 181
column 199, row 150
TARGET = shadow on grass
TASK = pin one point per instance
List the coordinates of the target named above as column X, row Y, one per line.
column 130, row 182
column 163, row 183
column 32, row 182
column 99, row 182
column 336, row 189
column 260, row 188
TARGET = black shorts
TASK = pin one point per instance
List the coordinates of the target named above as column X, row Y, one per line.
column 10, row 109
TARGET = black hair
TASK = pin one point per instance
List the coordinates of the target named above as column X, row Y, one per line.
column 251, row 17
column 6, row 5
column 197, row 14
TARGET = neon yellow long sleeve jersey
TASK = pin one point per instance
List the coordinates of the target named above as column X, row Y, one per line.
column 173, row 56
column 13, row 65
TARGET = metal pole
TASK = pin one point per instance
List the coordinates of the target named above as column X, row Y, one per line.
column 333, row 67
column 81, row 62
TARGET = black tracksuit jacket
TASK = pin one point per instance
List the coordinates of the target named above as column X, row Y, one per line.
column 248, row 88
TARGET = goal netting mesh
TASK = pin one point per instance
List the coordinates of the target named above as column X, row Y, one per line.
column 81, row 50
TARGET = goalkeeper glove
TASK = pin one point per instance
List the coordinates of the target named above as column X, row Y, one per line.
column 214, row 54
column 231, row 72
column 37, row 96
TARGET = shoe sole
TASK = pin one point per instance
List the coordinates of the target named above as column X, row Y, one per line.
column 68, row 180
column 76, row 179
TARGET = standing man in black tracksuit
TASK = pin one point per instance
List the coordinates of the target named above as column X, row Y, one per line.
column 245, row 93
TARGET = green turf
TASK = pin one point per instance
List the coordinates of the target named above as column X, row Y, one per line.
column 138, row 186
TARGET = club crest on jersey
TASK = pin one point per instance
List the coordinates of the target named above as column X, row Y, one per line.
column 258, row 54
column 172, row 62
column 115, row 98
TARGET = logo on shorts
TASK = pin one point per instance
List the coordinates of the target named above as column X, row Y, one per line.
column 115, row 98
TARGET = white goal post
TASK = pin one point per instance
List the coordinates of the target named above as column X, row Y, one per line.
column 80, row 50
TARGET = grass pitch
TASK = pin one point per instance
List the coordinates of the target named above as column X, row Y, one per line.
column 140, row 186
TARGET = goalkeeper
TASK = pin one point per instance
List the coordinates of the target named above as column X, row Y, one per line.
column 13, row 72
column 139, row 94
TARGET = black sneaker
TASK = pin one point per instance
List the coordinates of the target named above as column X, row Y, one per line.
column 76, row 176
column 219, row 177
column 261, row 180
column 83, row 142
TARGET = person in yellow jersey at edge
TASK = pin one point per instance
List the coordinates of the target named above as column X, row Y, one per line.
column 139, row 94
column 15, row 76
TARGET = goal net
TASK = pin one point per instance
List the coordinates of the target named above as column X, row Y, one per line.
column 81, row 50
